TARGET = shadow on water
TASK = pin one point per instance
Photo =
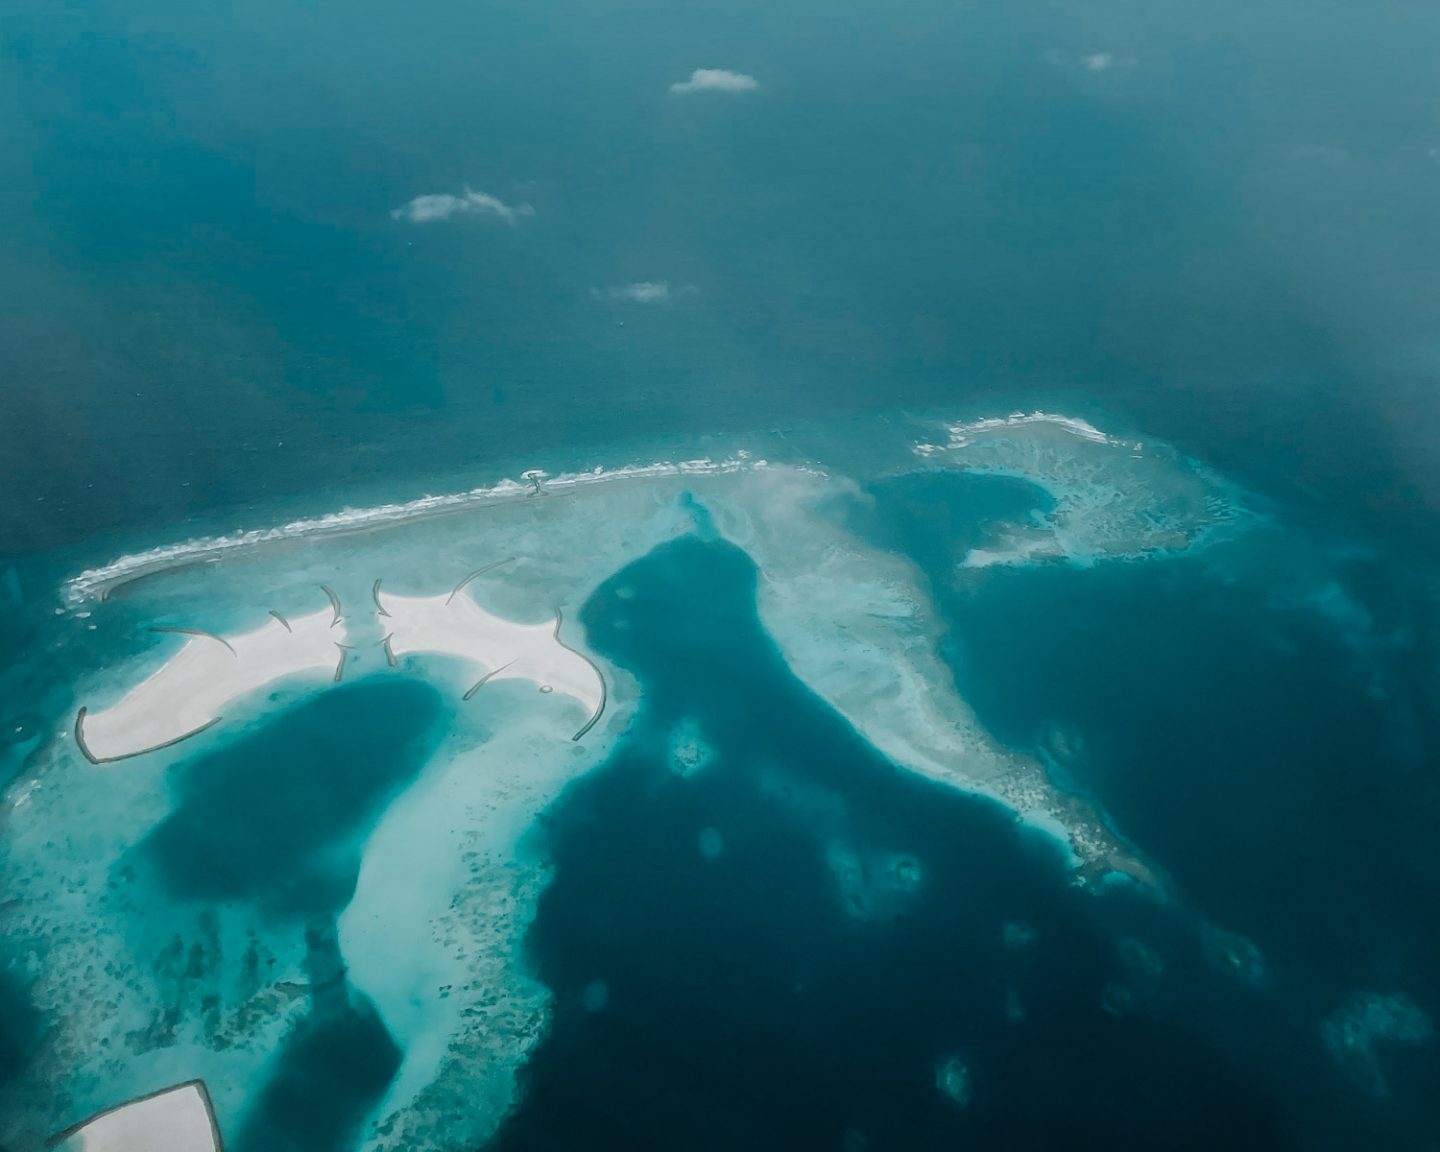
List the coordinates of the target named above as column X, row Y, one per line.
column 798, row 946
column 279, row 816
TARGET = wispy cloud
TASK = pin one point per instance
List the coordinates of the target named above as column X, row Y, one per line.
column 435, row 208
column 643, row 292
column 1091, row 61
column 714, row 80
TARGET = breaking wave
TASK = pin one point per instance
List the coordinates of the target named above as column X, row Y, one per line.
column 97, row 583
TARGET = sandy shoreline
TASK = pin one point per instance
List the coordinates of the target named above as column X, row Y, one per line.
column 191, row 690
column 177, row 1119
column 453, row 624
column 99, row 583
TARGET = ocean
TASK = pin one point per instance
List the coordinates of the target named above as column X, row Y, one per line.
column 882, row 572
column 1217, row 226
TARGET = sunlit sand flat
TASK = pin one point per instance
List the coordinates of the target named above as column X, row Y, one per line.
column 454, row 625
column 177, row 1119
column 191, row 690
column 438, row 871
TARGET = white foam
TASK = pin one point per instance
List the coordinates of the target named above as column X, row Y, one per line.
column 967, row 433
column 1114, row 498
column 434, row 932
column 96, row 582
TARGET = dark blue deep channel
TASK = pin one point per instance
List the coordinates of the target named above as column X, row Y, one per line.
column 1270, row 746
column 278, row 820
column 715, row 992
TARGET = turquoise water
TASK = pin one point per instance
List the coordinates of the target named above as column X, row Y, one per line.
column 965, row 779
column 728, row 918
column 1301, row 741
column 762, row 1013
column 917, row 206
column 278, row 817
column 330, row 1074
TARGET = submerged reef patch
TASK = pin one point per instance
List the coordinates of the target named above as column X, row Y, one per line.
column 850, row 768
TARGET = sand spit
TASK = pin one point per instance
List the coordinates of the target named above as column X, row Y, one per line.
column 454, row 625
column 191, row 690
column 177, row 1119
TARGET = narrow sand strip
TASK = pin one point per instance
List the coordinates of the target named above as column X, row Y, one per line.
column 178, row 1119
column 452, row 624
column 190, row 691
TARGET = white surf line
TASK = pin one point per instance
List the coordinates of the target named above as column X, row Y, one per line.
column 964, row 434
column 176, row 1119
column 190, row 690
column 97, row 583
column 452, row 624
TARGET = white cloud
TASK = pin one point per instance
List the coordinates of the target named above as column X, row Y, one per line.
column 641, row 292
column 715, row 80
column 1090, row 62
column 442, row 206
column 644, row 292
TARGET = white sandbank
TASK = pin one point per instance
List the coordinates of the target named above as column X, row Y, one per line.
column 1114, row 498
column 452, row 624
column 448, row 884
column 965, row 433
column 98, row 583
column 191, row 690
column 177, row 1119
column 434, row 934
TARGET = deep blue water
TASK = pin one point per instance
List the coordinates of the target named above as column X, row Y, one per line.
column 331, row 1070
column 1216, row 225
column 1226, row 237
column 780, row 950
column 19, row 1026
column 329, row 1077
column 1276, row 764
column 279, row 816
column 742, row 1005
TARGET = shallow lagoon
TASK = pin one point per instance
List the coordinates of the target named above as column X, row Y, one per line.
column 853, row 858
column 784, row 1001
